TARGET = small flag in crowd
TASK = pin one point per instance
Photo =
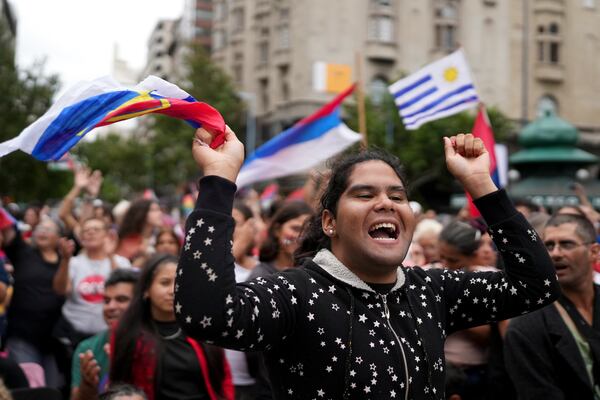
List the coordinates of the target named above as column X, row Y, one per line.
column 301, row 147
column 88, row 105
column 6, row 219
column 440, row 89
column 482, row 129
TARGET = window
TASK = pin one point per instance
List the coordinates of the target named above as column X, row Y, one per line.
column 283, row 79
column 204, row 14
column 381, row 28
column 237, row 17
column 589, row 3
column 378, row 90
column 284, row 37
column 548, row 43
column 219, row 11
column 382, row 3
column 263, row 53
column 201, row 31
column 238, row 70
column 218, row 40
column 446, row 26
column 264, row 93
column 547, row 105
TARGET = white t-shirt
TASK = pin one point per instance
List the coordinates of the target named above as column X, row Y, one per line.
column 83, row 306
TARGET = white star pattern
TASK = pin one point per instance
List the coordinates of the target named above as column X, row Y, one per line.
column 206, row 321
column 430, row 293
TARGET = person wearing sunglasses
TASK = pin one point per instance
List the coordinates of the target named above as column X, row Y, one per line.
column 554, row 353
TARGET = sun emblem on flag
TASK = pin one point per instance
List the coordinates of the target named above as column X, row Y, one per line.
column 451, row 74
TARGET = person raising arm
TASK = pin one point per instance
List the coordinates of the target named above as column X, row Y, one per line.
column 351, row 322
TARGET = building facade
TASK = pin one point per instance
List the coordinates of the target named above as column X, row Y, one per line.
column 163, row 46
column 526, row 56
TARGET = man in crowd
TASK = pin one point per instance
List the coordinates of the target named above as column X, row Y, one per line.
column 91, row 362
column 553, row 353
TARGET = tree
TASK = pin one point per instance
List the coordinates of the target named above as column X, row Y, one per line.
column 26, row 95
column 421, row 151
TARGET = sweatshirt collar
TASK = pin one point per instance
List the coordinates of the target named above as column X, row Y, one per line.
column 334, row 267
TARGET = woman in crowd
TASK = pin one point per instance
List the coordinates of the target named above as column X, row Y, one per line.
column 464, row 247
column 277, row 250
column 167, row 242
column 82, row 282
column 35, row 307
column 426, row 235
column 150, row 351
column 136, row 233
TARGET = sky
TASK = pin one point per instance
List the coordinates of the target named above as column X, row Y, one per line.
column 77, row 37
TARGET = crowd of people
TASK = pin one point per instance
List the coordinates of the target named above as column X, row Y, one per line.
column 354, row 292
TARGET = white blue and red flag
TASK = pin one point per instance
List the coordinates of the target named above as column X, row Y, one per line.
column 306, row 144
column 89, row 105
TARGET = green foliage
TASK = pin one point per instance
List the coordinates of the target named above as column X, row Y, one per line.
column 26, row 95
column 421, row 151
column 159, row 154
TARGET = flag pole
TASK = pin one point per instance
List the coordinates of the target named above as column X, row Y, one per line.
column 360, row 97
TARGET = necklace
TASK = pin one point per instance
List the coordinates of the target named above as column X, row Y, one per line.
column 173, row 335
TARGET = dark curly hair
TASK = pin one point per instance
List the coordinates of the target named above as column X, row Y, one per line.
column 313, row 238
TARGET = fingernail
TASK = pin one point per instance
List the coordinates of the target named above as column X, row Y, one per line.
column 200, row 142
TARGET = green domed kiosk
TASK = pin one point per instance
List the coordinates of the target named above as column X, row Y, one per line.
column 549, row 163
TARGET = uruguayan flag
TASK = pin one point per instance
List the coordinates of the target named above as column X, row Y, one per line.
column 438, row 90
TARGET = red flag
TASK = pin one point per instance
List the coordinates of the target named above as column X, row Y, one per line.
column 482, row 129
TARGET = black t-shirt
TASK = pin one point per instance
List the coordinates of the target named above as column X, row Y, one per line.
column 381, row 288
column 180, row 376
column 35, row 307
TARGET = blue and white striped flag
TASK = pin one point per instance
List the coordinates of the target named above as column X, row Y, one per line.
column 438, row 90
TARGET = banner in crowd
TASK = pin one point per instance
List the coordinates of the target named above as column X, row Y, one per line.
column 311, row 141
column 438, row 90
column 89, row 105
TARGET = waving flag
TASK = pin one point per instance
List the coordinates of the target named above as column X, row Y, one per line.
column 103, row 101
column 301, row 147
column 6, row 219
column 440, row 89
column 482, row 129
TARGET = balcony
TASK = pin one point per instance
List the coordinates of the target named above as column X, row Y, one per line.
column 381, row 51
column 545, row 72
column 556, row 7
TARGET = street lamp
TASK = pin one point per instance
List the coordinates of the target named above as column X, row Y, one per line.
column 250, row 100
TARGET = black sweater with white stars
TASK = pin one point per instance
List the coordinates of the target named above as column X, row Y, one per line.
column 325, row 333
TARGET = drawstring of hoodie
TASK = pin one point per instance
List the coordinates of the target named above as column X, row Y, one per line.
column 349, row 358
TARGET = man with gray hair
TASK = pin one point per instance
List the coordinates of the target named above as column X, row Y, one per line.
column 554, row 353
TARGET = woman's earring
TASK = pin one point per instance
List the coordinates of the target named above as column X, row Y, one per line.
column 331, row 231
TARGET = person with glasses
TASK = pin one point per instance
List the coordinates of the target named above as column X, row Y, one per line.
column 554, row 353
